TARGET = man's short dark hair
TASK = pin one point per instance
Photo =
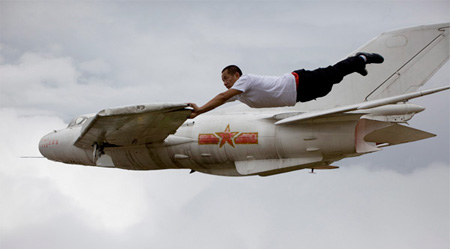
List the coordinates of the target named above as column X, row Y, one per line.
column 232, row 69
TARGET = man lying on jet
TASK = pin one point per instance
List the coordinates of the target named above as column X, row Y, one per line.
column 299, row 86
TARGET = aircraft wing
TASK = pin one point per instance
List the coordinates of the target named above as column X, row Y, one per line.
column 358, row 108
column 133, row 125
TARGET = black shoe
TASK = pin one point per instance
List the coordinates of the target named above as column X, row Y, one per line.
column 371, row 57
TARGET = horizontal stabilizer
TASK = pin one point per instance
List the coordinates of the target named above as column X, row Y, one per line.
column 396, row 134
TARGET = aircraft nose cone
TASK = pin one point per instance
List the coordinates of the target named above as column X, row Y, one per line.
column 46, row 144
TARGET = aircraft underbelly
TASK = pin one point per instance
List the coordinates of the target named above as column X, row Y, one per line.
column 141, row 158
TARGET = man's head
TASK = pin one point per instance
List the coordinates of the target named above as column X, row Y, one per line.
column 231, row 74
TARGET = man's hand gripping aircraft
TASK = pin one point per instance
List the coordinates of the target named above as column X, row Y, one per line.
column 361, row 115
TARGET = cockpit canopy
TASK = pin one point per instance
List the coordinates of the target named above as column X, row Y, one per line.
column 80, row 120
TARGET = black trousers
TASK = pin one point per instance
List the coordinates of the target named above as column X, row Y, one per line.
column 318, row 83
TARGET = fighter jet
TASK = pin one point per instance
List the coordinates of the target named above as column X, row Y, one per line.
column 361, row 115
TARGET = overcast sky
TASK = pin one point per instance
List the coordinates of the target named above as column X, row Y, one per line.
column 59, row 59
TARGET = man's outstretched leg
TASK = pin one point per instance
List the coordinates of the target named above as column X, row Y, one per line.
column 357, row 63
column 318, row 83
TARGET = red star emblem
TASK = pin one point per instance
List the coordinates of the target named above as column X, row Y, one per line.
column 226, row 136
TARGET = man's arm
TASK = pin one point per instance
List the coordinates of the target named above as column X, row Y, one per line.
column 219, row 100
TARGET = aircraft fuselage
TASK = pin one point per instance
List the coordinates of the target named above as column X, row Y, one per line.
column 213, row 145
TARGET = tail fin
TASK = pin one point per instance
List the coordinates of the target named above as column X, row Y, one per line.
column 412, row 56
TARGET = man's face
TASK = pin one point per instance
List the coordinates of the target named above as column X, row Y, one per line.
column 229, row 79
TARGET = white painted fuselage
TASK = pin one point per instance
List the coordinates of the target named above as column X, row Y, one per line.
column 213, row 144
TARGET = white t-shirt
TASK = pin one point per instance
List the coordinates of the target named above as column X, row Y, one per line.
column 266, row 91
